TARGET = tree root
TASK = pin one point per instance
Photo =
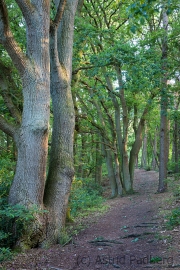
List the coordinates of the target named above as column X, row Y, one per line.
column 135, row 235
column 100, row 241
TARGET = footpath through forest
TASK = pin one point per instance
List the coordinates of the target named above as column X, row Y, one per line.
column 130, row 235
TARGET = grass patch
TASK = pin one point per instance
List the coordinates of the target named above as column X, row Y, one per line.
column 173, row 218
column 85, row 197
column 86, row 201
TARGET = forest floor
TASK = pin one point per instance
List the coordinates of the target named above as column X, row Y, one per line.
column 130, row 235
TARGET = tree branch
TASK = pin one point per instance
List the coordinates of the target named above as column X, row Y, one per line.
column 81, row 68
column 6, row 81
column 80, row 5
column 4, row 21
column 8, row 41
column 11, row 107
column 7, row 128
column 26, row 8
column 106, row 86
column 59, row 13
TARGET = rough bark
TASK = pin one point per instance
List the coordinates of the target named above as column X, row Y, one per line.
column 32, row 140
column 61, row 167
column 32, row 136
column 33, row 67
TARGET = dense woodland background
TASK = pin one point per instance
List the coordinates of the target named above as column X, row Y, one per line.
column 114, row 107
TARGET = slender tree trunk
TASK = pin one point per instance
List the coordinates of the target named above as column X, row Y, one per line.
column 121, row 139
column 61, row 168
column 110, row 169
column 176, row 139
column 137, row 164
column 164, row 147
column 98, row 165
column 80, row 157
column 118, row 176
column 144, row 152
column 177, row 144
column 137, row 143
column 155, row 160
column 107, row 150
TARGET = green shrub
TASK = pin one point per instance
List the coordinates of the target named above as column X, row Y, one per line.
column 85, row 194
column 7, row 166
column 5, row 254
column 173, row 218
column 13, row 219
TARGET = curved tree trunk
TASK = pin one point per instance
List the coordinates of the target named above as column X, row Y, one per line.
column 61, row 167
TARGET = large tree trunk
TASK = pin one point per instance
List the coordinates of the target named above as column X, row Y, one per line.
column 32, row 138
column 32, row 143
column 61, row 167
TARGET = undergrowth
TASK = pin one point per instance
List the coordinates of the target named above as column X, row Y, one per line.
column 85, row 198
column 173, row 218
column 13, row 219
column 85, row 195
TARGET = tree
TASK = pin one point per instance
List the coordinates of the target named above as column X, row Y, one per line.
column 31, row 136
column 117, row 73
column 164, row 142
column 61, row 167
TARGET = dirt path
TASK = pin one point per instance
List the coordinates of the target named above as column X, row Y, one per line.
column 129, row 236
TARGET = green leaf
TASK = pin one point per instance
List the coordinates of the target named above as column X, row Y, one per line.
column 142, row 21
column 133, row 29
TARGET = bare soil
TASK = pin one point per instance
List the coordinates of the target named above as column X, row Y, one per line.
column 130, row 235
